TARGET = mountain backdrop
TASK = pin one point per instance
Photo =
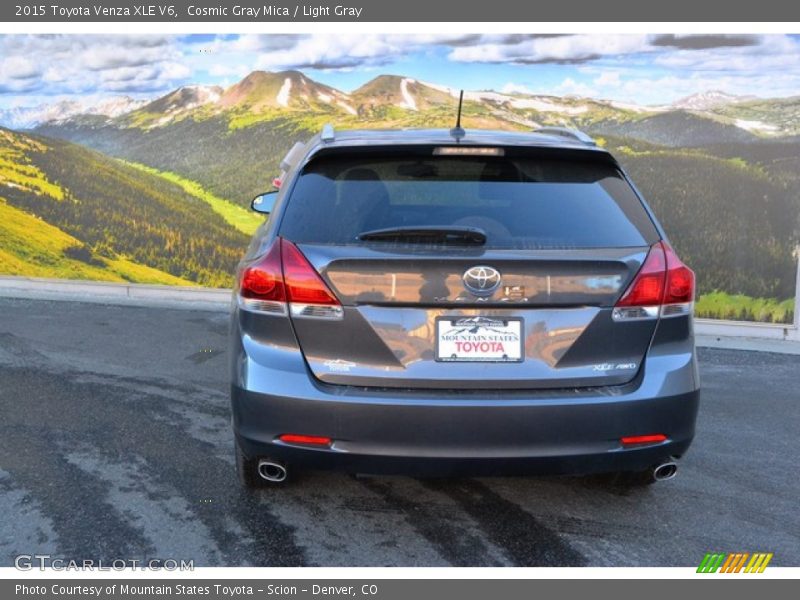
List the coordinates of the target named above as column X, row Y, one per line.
column 157, row 190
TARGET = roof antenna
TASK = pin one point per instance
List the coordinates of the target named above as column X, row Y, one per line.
column 458, row 132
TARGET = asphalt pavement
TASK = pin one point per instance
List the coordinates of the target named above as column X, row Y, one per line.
column 115, row 443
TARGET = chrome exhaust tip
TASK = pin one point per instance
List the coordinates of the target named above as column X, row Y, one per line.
column 665, row 471
column 272, row 471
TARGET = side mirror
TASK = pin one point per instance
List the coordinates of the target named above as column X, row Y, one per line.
column 264, row 203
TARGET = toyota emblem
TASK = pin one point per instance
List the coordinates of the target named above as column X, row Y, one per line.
column 481, row 280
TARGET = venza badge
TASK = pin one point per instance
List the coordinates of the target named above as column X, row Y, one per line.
column 481, row 280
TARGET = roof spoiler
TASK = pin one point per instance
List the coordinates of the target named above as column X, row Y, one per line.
column 565, row 132
column 291, row 159
column 293, row 156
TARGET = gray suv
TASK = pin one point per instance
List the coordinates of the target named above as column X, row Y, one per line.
column 426, row 303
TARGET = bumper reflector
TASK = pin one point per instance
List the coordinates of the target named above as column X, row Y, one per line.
column 308, row 440
column 634, row 440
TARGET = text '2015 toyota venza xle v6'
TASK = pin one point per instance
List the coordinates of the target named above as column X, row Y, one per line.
column 450, row 302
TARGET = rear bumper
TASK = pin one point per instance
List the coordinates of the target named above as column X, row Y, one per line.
column 466, row 437
column 441, row 432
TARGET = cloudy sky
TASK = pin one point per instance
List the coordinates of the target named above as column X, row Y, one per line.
column 645, row 69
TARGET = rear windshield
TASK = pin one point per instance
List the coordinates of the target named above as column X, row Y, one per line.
column 520, row 203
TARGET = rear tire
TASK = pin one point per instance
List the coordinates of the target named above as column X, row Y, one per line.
column 247, row 470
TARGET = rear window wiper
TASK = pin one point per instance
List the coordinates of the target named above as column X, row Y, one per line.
column 430, row 234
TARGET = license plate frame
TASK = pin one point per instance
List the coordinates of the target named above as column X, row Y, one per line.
column 486, row 327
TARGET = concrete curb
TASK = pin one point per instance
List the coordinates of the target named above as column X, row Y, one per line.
column 125, row 294
column 748, row 343
column 723, row 328
column 710, row 333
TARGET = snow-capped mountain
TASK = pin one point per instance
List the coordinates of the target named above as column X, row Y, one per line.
column 400, row 92
column 184, row 99
column 115, row 106
column 397, row 99
column 708, row 100
column 28, row 117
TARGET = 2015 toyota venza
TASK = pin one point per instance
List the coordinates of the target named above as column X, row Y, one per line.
column 426, row 302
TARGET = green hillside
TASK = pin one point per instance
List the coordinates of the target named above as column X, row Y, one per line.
column 17, row 171
column 726, row 215
column 733, row 223
column 782, row 114
column 779, row 158
column 114, row 222
column 233, row 164
column 234, row 215
column 32, row 248
column 676, row 129
column 235, row 155
column 728, row 197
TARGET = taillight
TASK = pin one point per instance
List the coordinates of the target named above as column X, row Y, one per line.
column 663, row 286
column 261, row 286
column 647, row 288
column 308, row 294
column 284, row 277
column 679, row 289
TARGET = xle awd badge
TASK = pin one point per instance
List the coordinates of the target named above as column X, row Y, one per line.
column 481, row 280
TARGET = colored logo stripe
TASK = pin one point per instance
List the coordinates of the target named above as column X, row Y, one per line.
column 758, row 563
column 711, row 562
column 734, row 562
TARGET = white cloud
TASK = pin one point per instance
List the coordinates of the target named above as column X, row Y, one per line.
column 608, row 79
column 516, row 88
column 570, row 87
column 225, row 71
column 776, row 52
column 18, row 74
column 113, row 56
column 334, row 52
column 261, row 42
column 632, row 68
column 18, row 67
column 52, row 75
column 72, row 64
column 174, row 71
column 566, row 49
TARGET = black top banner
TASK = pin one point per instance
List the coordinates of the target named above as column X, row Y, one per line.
column 465, row 11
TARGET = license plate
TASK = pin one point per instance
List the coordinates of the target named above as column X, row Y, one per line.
column 478, row 339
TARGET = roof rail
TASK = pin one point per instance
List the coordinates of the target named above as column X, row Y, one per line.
column 328, row 134
column 573, row 134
